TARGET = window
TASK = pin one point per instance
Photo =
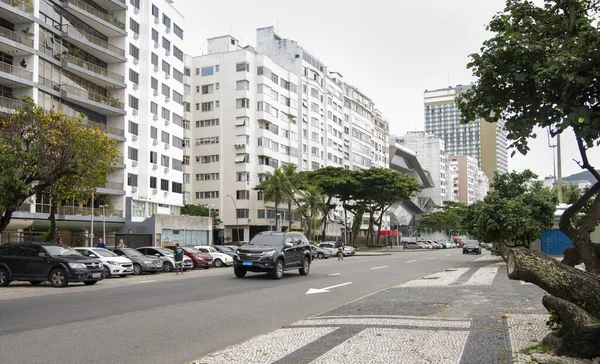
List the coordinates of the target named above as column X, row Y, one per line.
column 164, row 137
column 178, row 53
column 164, row 185
column 243, row 103
column 205, row 159
column 207, row 106
column 152, row 182
column 242, row 195
column 134, row 26
column 179, row 77
column 134, row 51
column 153, row 157
column 135, row 3
column 207, row 89
column 166, row 114
column 133, row 128
column 186, row 160
column 187, row 71
column 178, row 31
column 132, row 180
column 207, row 71
column 154, row 11
column 242, row 140
column 132, row 154
column 242, row 67
column 207, row 140
column 186, row 178
column 154, row 108
column 242, row 176
column 134, row 76
column 177, row 119
column 176, row 187
column 133, row 102
column 154, row 83
column 242, row 85
column 166, row 44
column 177, row 97
column 241, row 121
column 242, row 158
column 167, row 21
column 166, row 67
column 154, row 59
column 314, row 93
column 242, row 213
column 205, row 123
column 154, row 35
column 153, row 133
column 166, row 90
column 164, row 160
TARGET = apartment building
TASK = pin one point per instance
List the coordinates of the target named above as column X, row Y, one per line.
column 120, row 65
column 244, row 124
column 470, row 183
column 486, row 142
column 431, row 154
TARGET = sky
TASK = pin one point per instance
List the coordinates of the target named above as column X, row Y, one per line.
column 392, row 50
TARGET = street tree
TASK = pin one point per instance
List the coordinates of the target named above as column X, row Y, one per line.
column 276, row 187
column 48, row 153
column 446, row 218
column 311, row 203
column 540, row 69
column 201, row 210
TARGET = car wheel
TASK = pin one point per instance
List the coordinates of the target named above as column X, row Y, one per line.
column 90, row 283
column 106, row 272
column 4, row 281
column 218, row 263
column 320, row 255
column 239, row 272
column 35, row 283
column 137, row 269
column 305, row 267
column 167, row 267
column 277, row 272
column 58, row 278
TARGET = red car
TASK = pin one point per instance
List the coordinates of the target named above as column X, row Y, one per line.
column 199, row 259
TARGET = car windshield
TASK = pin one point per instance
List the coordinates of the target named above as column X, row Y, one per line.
column 270, row 240
column 165, row 251
column 471, row 243
column 60, row 250
column 131, row 252
column 104, row 253
column 227, row 248
column 190, row 250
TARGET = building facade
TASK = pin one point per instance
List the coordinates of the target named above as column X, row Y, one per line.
column 486, row 142
column 470, row 184
column 121, row 66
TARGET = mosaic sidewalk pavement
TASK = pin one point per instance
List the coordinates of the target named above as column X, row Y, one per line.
column 468, row 314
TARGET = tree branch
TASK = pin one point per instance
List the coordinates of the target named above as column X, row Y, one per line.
column 585, row 164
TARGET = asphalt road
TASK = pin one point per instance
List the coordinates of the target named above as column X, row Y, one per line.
column 175, row 319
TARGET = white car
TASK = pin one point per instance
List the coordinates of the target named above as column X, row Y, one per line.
column 219, row 259
column 112, row 263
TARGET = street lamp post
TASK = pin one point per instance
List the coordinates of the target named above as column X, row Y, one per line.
column 92, row 222
column 237, row 221
column 103, row 224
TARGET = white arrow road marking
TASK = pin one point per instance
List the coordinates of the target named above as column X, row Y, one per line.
column 153, row 280
column 335, row 274
column 383, row 266
column 410, row 261
column 326, row 289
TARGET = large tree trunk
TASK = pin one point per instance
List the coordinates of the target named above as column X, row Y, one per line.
column 5, row 219
column 52, row 218
column 574, row 298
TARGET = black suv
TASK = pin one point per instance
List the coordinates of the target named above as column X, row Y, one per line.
column 59, row 264
column 273, row 253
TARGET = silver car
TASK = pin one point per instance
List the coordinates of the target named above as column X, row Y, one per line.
column 167, row 257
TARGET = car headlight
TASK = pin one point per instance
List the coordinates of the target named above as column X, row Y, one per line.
column 147, row 262
column 77, row 265
column 112, row 263
column 268, row 253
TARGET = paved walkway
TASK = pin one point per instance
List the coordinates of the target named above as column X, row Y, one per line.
column 468, row 314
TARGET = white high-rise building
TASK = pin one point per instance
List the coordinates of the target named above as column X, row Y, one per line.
column 121, row 66
column 470, row 183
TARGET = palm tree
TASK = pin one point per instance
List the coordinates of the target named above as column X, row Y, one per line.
column 275, row 187
column 293, row 185
column 311, row 202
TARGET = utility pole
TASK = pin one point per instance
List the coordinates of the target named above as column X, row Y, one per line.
column 92, row 222
column 559, row 169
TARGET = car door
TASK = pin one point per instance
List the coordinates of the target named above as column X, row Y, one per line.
column 7, row 256
column 291, row 257
column 36, row 266
column 298, row 249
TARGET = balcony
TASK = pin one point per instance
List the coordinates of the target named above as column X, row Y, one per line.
column 8, row 106
column 91, row 72
column 99, row 103
column 15, row 76
column 14, row 43
column 16, row 11
column 112, row 5
column 111, row 188
column 120, row 163
column 115, row 133
column 77, row 211
column 105, row 23
column 93, row 45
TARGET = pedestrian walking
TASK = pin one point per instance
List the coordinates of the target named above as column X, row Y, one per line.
column 101, row 243
column 178, row 251
column 340, row 253
column 121, row 244
column 59, row 241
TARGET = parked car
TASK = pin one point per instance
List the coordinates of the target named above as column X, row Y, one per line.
column 428, row 245
column 200, row 260
column 219, row 259
column 414, row 245
column 166, row 256
column 225, row 249
column 111, row 262
column 141, row 263
column 274, row 253
column 36, row 263
column 321, row 253
column 330, row 247
column 435, row 244
column 471, row 246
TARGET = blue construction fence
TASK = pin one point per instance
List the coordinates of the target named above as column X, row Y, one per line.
column 555, row 242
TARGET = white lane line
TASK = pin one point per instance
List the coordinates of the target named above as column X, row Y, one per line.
column 335, row 274
column 437, row 279
column 524, row 283
column 267, row 348
column 410, row 261
column 383, row 266
column 432, row 258
column 482, row 277
column 153, row 280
